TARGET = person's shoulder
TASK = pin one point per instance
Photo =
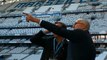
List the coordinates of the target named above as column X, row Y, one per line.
column 81, row 32
column 78, row 31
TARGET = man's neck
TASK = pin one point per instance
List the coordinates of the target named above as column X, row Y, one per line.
column 59, row 39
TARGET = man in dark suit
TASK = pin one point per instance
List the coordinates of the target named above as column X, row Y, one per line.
column 81, row 44
column 55, row 46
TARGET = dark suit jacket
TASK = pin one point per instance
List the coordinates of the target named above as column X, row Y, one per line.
column 47, row 42
column 81, row 45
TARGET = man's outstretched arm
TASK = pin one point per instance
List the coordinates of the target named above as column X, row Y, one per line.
column 51, row 27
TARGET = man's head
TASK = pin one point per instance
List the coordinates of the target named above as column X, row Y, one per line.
column 61, row 25
column 81, row 24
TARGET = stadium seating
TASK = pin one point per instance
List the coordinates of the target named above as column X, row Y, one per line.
column 15, row 32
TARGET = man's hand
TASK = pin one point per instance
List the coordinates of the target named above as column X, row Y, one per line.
column 31, row 18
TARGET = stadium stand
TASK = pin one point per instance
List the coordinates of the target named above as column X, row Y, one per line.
column 15, row 32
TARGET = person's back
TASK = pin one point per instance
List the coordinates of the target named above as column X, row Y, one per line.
column 82, row 48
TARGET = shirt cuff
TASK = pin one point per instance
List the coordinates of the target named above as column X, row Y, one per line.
column 40, row 22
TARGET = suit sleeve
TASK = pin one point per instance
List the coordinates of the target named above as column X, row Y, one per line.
column 69, row 34
column 38, row 39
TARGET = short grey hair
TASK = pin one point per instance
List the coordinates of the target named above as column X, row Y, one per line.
column 85, row 22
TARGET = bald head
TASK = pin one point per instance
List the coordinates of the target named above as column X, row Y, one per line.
column 82, row 24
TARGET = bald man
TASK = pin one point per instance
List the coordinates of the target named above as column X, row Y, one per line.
column 81, row 46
